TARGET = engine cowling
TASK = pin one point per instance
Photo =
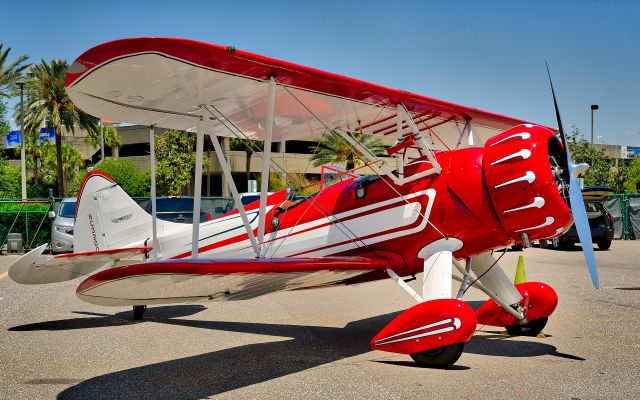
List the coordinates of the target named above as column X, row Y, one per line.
column 525, row 173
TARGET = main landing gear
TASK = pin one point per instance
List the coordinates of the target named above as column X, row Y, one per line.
column 441, row 357
column 138, row 312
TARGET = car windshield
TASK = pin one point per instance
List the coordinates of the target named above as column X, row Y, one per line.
column 67, row 209
column 182, row 205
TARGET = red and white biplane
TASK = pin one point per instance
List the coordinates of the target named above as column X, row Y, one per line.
column 462, row 184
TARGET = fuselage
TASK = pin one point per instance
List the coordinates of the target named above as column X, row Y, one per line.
column 373, row 214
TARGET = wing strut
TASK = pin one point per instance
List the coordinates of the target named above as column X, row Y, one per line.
column 266, row 157
column 369, row 156
column 403, row 115
column 154, row 226
column 197, row 187
column 232, row 186
column 468, row 131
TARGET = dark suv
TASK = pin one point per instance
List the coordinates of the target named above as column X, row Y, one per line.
column 600, row 220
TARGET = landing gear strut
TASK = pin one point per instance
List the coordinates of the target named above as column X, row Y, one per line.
column 138, row 312
column 441, row 357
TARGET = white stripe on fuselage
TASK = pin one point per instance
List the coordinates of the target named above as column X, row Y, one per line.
column 318, row 240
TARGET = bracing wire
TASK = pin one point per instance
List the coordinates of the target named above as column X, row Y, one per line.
column 280, row 168
column 484, row 273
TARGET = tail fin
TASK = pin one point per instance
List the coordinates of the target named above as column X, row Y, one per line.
column 106, row 217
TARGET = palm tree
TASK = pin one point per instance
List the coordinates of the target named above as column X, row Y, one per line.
column 110, row 135
column 11, row 73
column 36, row 153
column 48, row 102
column 332, row 149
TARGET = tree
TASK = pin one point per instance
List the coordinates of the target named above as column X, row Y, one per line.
column 599, row 172
column 332, row 149
column 48, row 102
column 10, row 178
column 126, row 173
column 10, row 73
column 4, row 123
column 249, row 147
column 632, row 183
column 618, row 177
column 36, row 152
column 176, row 161
column 111, row 138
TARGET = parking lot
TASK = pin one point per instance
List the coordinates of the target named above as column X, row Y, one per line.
column 315, row 343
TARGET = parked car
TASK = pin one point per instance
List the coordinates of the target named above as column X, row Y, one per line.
column 62, row 226
column 600, row 220
column 176, row 209
column 245, row 198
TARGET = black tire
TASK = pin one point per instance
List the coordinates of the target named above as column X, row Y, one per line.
column 441, row 357
column 604, row 244
column 532, row 328
column 517, row 247
column 138, row 312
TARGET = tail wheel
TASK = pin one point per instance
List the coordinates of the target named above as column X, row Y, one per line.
column 532, row 328
column 604, row 244
column 441, row 357
column 138, row 312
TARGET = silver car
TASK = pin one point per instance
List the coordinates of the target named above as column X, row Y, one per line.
column 62, row 226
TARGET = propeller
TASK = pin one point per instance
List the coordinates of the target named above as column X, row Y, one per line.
column 575, row 198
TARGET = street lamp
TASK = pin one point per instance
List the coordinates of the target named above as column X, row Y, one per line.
column 101, row 142
column 23, row 144
column 593, row 108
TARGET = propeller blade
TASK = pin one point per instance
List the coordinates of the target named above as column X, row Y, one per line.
column 583, row 228
column 555, row 104
column 575, row 198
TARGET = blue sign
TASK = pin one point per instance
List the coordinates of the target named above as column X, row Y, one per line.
column 13, row 138
column 632, row 152
column 44, row 135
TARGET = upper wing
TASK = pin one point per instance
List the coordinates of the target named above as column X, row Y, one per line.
column 34, row 268
column 174, row 281
column 163, row 81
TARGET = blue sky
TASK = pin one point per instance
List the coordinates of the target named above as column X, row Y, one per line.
column 484, row 54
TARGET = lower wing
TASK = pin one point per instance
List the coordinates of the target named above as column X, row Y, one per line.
column 177, row 281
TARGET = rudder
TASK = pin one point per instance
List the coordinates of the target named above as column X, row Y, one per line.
column 106, row 217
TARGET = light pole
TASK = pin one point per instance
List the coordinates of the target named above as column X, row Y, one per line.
column 23, row 144
column 593, row 108
column 101, row 142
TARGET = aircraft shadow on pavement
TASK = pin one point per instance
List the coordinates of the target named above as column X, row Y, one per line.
column 107, row 320
column 217, row 372
column 221, row 371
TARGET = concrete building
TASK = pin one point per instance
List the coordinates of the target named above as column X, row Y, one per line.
column 291, row 156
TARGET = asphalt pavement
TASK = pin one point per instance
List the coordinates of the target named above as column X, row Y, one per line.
column 314, row 344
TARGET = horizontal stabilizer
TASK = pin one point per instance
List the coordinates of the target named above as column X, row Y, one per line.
column 35, row 268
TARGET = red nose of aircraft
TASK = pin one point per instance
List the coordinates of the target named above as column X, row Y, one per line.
column 524, row 170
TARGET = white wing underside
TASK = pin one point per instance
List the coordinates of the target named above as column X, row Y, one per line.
column 155, row 89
